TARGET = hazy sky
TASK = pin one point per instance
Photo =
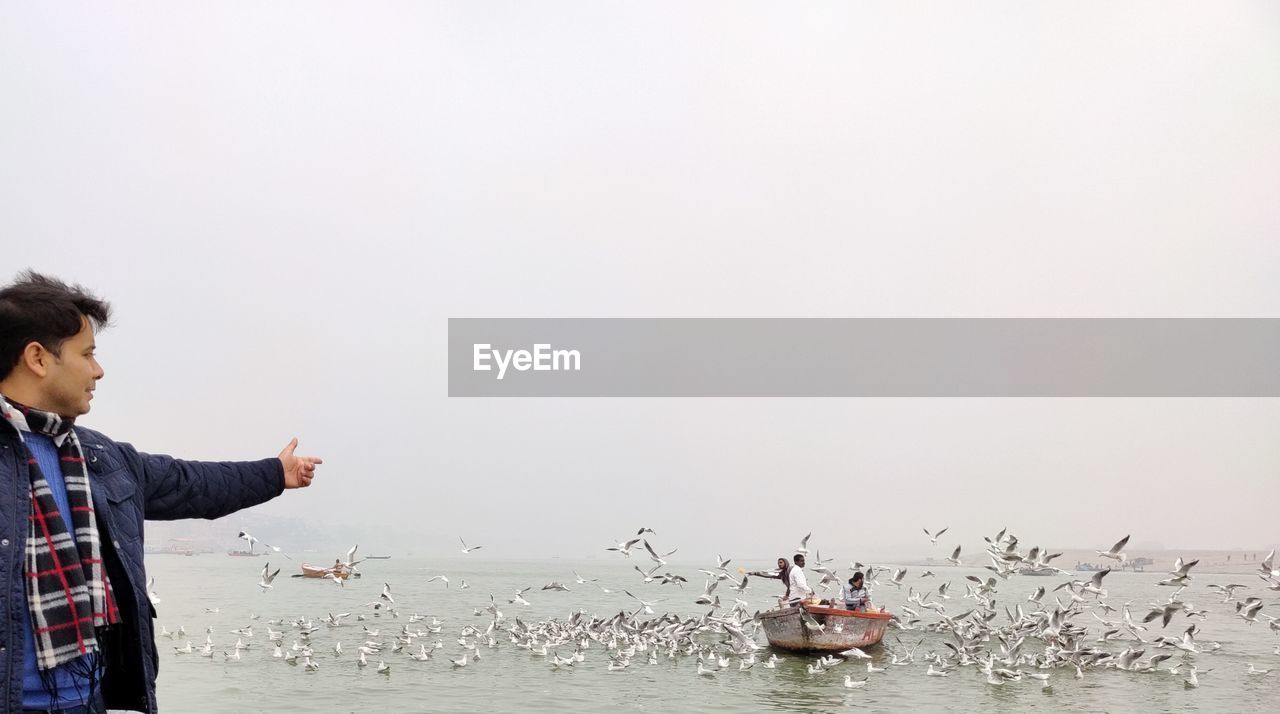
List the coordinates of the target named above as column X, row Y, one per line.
column 286, row 201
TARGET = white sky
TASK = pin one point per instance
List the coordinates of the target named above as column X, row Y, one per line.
column 286, row 201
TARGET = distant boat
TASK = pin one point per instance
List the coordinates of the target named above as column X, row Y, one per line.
column 243, row 554
column 841, row 629
column 1037, row 571
column 318, row 571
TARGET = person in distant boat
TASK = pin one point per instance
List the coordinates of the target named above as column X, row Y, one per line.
column 798, row 588
column 779, row 574
column 854, row 595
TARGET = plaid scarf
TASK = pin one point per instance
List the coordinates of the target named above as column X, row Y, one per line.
column 67, row 588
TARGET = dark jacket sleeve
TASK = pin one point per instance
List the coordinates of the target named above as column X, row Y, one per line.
column 176, row 489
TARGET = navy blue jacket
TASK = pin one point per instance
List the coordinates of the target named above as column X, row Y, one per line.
column 128, row 487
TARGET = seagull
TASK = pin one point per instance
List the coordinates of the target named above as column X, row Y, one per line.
column 434, row 578
column 653, row 555
column 581, row 580
column 642, row 531
column 804, row 545
column 955, row 556
column 555, row 586
column 383, row 667
column 264, row 581
column 648, row 576
column 1248, row 610
column 647, row 606
column 625, row 547
column 386, row 593
column 933, row 537
column 1255, row 670
column 1192, row 681
column 851, row 683
column 1180, row 574
column 1115, row 553
column 466, row 549
column 151, row 593
column 856, row 653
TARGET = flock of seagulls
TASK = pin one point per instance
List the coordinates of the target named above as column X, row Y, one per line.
column 1068, row 630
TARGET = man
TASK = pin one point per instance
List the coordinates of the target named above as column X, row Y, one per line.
column 797, row 584
column 77, row 634
column 854, row 595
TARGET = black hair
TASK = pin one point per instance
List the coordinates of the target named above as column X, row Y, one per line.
column 38, row 308
column 798, row 557
column 857, row 575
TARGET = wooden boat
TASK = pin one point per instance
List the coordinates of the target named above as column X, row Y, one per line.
column 319, row 571
column 841, row 630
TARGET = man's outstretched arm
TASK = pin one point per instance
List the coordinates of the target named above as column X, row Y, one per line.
column 176, row 489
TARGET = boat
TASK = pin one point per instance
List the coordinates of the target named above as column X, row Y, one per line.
column 1038, row 571
column 320, row 571
column 842, row 629
column 243, row 553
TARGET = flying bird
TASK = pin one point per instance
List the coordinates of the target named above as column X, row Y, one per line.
column 933, row 537
column 1115, row 553
column 264, row 581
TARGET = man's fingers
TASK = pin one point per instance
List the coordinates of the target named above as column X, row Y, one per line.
column 288, row 450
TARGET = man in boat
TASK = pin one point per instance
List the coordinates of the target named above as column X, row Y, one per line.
column 798, row 588
column 78, row 635
column 779, row 574
column 854, row 596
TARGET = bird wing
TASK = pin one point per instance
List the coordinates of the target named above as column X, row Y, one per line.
column 1115, row 549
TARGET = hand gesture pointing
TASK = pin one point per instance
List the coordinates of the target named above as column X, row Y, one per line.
column 298, row 470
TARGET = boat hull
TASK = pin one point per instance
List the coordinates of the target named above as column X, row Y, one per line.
column 842, row 629
column 316, row 571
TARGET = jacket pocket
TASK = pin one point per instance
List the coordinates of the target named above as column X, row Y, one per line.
column 121, row 494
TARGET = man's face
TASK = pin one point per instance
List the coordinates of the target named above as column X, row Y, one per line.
column 800, row 560
column 71, row 376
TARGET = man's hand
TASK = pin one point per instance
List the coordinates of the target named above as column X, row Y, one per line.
column 298, row 470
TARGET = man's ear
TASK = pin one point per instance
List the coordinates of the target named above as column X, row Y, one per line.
column 36, row 358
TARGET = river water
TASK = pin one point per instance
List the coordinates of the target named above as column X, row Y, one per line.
column 511, row 679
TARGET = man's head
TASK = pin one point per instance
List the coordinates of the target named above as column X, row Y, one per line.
column 799, row 560
column 47, row 343
column 856, row 580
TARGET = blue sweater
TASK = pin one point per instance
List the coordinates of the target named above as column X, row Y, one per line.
column 72, row 689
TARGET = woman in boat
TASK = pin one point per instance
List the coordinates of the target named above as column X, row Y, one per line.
column 781, row 573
